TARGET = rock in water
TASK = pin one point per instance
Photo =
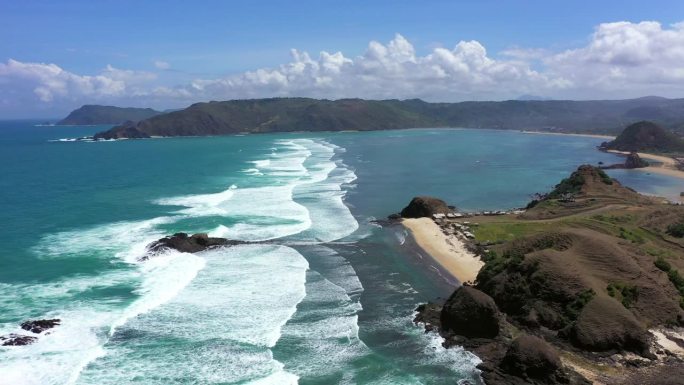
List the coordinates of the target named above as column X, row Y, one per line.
column 635, row 161
column 41, row 325
column 17, row 340
column 471, row 313
column 188, row 244
column 424, row 207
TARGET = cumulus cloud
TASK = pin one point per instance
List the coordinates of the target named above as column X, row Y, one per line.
column 625, row 56
column 620, row 59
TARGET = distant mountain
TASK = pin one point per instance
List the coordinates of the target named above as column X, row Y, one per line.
column 532, row 97
column 303, row 114
column 94, row 114
column 646, row 137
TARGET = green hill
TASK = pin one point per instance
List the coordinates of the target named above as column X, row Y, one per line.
column 647, row 137
column 304, row 114
column 94, row 114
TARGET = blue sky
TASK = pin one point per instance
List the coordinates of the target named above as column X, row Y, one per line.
column 171, row 44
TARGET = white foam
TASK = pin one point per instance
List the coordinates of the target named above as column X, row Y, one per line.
column 87, row 323
column 304, row 196
column 202, row 204
column 229, row 317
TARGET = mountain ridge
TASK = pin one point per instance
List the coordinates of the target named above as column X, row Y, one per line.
column 91, row 114
column 306, row 114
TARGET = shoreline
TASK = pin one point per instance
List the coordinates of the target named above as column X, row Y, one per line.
column 448, row 251
column 568, row 134
column 668, row 165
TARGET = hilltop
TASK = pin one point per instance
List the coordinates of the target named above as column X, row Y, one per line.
column 646, row 136
column 95, row 114
column 304, row 114
column 585, row 286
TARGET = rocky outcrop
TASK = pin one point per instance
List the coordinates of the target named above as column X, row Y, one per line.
column 41, row 325
column 633, row 161
column 17, row 340
column 471, row 313
column 125, row 131
column 188, row 244
column 424, row 206
column 530, row 360
column 605, row 325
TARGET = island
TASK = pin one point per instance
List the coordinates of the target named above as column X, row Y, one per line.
column 305, row 114
column 582, row 286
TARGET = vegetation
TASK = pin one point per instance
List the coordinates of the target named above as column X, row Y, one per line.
column 93, row 114
column 674, row 276
column 297, row 114
column 648, row 137
column 575, row 307
column 625, row 293
column 676, row 230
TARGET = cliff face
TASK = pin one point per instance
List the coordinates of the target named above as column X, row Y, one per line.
column 646, row 137
column 93, row 114
column 303, row 114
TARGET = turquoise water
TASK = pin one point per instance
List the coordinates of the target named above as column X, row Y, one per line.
column 329, row 301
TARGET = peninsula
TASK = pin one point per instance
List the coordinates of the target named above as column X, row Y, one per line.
column 94, row 114
column 584, row 286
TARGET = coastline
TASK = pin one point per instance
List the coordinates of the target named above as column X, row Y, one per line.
column 668, row 165
column 568, row 134
column 448, row 251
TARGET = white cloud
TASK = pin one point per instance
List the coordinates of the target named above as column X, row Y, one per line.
column 620, row 59
column 162, row 65
column 623, row 56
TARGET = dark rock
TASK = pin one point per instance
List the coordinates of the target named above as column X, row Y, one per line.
column 41, row 325
column 17, row 340
column 634, row 161
column 424, row 207
column 604, row 325
column 471, row 313
column 531, row 357
column 188, row 244
column 429, row 314
column 394, row 216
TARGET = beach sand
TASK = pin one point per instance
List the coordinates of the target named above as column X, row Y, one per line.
column 667, row 166
column 448, row 251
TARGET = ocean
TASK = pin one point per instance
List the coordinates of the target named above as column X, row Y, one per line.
column 328, row 300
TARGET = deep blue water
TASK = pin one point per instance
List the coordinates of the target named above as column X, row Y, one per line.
column 330, row 301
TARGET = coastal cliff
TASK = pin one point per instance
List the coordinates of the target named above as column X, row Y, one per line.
column 304, row 114
column 587, row 278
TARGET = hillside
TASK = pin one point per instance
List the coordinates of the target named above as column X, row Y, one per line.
column 94, row 114
column 303, row 114
column 646, row 136
column 593, row 272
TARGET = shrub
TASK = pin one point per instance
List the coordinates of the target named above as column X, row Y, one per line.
column 627, row 294
column 676, row 229
column 575, row 307
column 662, row 264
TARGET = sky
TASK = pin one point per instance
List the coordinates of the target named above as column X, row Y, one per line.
column 58, row 55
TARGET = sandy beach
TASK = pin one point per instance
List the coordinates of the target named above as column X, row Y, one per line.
column 448, row 251
column 667, row 166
